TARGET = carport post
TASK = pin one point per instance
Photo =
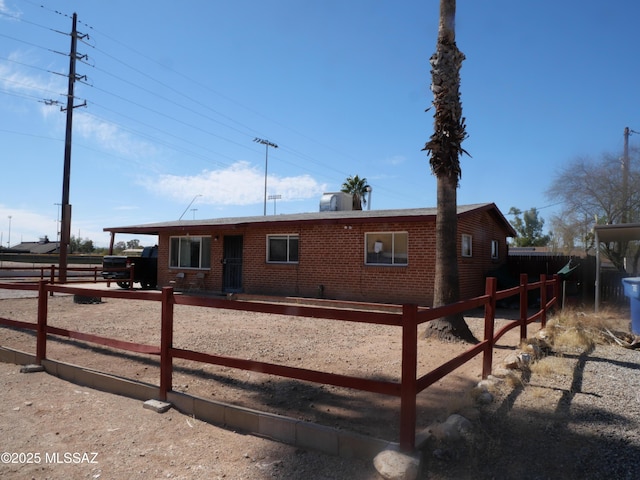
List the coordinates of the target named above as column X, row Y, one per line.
column 166, row 343
column 556, row 292
column 543, row 299
column 597, row 283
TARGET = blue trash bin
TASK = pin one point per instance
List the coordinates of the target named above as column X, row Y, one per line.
column 632, row 290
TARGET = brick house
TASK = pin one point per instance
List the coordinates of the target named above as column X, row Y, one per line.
column 374, row 256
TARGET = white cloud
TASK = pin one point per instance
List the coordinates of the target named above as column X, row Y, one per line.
column 110, row 136
column 8, row 11
column 14, row 79
column 25, row 225
column 238, row 184
column 395, row 160
column 107, row 135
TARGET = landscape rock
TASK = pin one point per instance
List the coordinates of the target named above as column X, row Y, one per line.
column 524, row 359
column 31, row 368
column 501, row 372
column 157, row 406
column 511, row 362
column 485, row 398
column 452, row 428
column 395, row 465
column 534, row 350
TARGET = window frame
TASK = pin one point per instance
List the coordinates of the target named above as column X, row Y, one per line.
column 466, row 245
column 288, row 237
column 394, row 254
column 204, row 251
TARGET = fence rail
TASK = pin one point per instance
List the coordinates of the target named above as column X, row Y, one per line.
column 77, row 274
column 408, row 319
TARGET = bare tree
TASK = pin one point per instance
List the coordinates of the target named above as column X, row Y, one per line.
column 572, row 231
column 592, row 192
column 444, row 149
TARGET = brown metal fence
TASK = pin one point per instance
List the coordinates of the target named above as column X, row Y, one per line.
column 407, row 319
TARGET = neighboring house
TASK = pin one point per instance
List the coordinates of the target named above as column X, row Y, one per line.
column 44, row 246
column 373, row 256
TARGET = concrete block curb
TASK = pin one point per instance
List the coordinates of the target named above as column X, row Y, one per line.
column 287, row 430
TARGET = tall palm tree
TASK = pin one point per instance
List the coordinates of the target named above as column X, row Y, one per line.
column 444, row 149
column 358, row 187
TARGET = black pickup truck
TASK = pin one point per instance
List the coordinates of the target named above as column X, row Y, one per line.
column 145, row 268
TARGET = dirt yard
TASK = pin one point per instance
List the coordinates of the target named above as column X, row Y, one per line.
column 81, row 419
column 65, row 418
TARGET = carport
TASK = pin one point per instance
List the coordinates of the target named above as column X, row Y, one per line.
column 623, row 232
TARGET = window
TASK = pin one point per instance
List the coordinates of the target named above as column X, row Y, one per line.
column 386, row 248
column 190, row 252
column 494, row 249
column 467, row 243
column 282, row 248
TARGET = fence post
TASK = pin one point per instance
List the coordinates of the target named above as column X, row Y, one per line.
column 52, row 277
column 524, row 304
column 491, row 286
column 166, row 343
column 41, row 331
column 408, row 388
column 543, row 299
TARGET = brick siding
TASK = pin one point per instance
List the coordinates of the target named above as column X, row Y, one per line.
column 332, row 259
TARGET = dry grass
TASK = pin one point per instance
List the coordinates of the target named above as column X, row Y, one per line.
column 552, row 366
column 574, row 331
column 513, row 380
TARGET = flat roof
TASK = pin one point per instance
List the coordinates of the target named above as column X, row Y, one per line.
column 622, row 232
column 412, row 214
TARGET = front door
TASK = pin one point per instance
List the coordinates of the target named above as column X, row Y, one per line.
column 232, row 264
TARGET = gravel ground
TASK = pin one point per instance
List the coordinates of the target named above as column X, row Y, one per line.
column 580, row 422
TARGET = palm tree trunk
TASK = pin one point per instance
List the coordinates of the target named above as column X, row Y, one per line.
column 444, row 148
column 446, row 287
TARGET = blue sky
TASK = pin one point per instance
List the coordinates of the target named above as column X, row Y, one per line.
column 176, row 93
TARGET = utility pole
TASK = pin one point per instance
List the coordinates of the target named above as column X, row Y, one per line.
column 267, row 144
column 65, row 233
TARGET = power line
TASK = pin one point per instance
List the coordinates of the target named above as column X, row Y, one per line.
column 249, row 131
column 232, row 124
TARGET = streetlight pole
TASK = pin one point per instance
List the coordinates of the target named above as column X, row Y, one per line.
column 9, row 241
column 267, row 144
column 274, row 198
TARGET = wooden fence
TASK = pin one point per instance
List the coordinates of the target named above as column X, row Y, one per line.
column 76, row 274
column 407, row 318
column 580, row 283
